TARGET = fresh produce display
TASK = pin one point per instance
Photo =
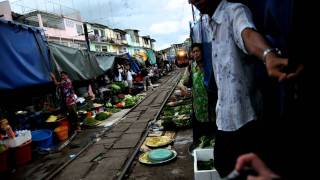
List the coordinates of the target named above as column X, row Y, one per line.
column 120, row 84
column 205, row 142
column 115, row 88
column 205, row 165
column 120, row 104
column 108, row 104
column 131, row 100
column 168, row 111
column 102, row 116
column 183, row 121
column 125, row 102
column 177, row 117
column 114, row 110
column 90, row 121
column 158, row 141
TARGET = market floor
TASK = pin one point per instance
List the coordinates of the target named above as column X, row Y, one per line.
column 181, row 168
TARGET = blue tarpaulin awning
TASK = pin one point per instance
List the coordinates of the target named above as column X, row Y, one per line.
column 24, row 56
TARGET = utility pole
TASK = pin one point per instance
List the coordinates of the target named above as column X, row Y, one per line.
column 86, row 35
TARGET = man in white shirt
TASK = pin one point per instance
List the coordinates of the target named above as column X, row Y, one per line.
column 233, row 35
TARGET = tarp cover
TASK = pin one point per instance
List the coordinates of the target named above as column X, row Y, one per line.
column 106, row 62
column 24, row 58
column 152, row 56
column 79, row 64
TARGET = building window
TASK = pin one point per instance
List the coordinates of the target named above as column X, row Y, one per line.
column 103, row 34
column 79, row 29
column 96, row 32
column 98, row 48
column 104, row 48
column 118, row 36
column 69, row 23
column 146, row 42
column 137, row 39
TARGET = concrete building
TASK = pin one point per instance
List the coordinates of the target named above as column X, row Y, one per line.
column 61, row 24
column 105, row 39
column 64, row 25
column 5, row 11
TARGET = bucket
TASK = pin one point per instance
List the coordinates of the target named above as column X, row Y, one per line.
column 42, row 138
column 61, row 132
column 64, row 122
column 23, row 153
column 4, row 163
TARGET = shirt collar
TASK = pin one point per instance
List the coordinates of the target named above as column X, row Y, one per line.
column 218, row 13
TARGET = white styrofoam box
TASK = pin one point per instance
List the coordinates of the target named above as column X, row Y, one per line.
column 21, row 137
column 204, row 155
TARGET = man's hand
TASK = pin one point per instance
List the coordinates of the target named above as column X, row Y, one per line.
column 275, row 66
column 252, row 160
column 295, row 74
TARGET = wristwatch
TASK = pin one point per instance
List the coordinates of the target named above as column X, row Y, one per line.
column 267, row 51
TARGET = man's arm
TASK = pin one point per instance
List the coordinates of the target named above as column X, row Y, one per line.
column 255, row 44
column 251, row 42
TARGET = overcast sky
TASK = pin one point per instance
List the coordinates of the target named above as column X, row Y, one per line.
column 167, row 21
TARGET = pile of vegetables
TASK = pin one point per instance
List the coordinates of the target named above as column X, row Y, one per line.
column 121, row 104
column 131, row 100
column 177, row 117
column 109, row 105
column 205, row 165
column 90, row 121
column 114, row 110
column 128, row 101
column 168, row 111
column 206, row 142
column 115, row 88
column 102, row 116
column 183, row 121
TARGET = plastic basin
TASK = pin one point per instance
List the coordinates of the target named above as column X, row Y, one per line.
column 42, row 138
column 160, row 155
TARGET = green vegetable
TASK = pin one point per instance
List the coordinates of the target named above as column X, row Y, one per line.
column 130, row 100
column 120, row 84
column 90, row 121
column 204, row 142
column 114, row 110
column 168, row 111
column 168, row 124
column 115, row 88
column 109, row 104
column 183, row 123
column 205, row 165
column 101, row 116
